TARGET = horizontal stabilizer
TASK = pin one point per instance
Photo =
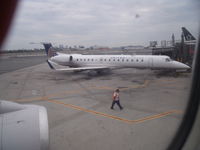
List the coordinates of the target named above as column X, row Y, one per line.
column 50, row 65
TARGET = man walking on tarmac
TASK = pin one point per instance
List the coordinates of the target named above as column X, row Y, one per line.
column 116, row 99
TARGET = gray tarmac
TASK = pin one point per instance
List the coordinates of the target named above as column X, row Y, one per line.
column 8, row 64
column 78, row 105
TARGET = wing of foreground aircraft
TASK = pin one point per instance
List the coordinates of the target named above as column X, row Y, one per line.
column 23, row 127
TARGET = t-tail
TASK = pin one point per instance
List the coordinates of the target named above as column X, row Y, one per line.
column 188, row 36
column 49, row 50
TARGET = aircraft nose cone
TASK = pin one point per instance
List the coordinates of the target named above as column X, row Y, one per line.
column 182, row 66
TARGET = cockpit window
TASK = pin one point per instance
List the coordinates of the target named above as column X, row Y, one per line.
column 167, row 59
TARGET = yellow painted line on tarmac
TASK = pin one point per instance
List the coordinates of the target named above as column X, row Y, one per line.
column 114, row 117
column 50, row 96
column 146, row 82
column 165, row 80
column 90, row 111
column 102, row 87
column 80, row 91
column 28, row 99
column 155, row 116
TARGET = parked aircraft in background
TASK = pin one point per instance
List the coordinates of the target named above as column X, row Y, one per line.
column 79, row 62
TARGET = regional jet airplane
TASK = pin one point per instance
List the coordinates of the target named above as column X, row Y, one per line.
column 79, row 62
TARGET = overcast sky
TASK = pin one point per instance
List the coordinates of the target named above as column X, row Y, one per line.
column 101, row 22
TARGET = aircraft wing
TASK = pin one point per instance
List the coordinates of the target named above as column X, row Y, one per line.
column 82, row 68
column 78, row 68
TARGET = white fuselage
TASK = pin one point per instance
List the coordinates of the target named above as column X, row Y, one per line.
column 118, row 61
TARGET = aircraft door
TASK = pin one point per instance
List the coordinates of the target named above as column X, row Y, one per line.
column 150, row 62
column 70, row 58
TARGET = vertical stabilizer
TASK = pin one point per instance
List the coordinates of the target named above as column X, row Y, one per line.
column 188, row 36
column 49, row 50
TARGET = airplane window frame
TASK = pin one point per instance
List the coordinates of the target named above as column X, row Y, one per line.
column 8, row 9
column 185, row 128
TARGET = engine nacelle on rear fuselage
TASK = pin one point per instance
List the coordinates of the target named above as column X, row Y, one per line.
column 64, row 60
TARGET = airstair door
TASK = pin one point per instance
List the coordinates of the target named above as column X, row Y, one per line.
column 150, row 62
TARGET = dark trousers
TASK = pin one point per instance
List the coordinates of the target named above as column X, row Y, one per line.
column 118, row 103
